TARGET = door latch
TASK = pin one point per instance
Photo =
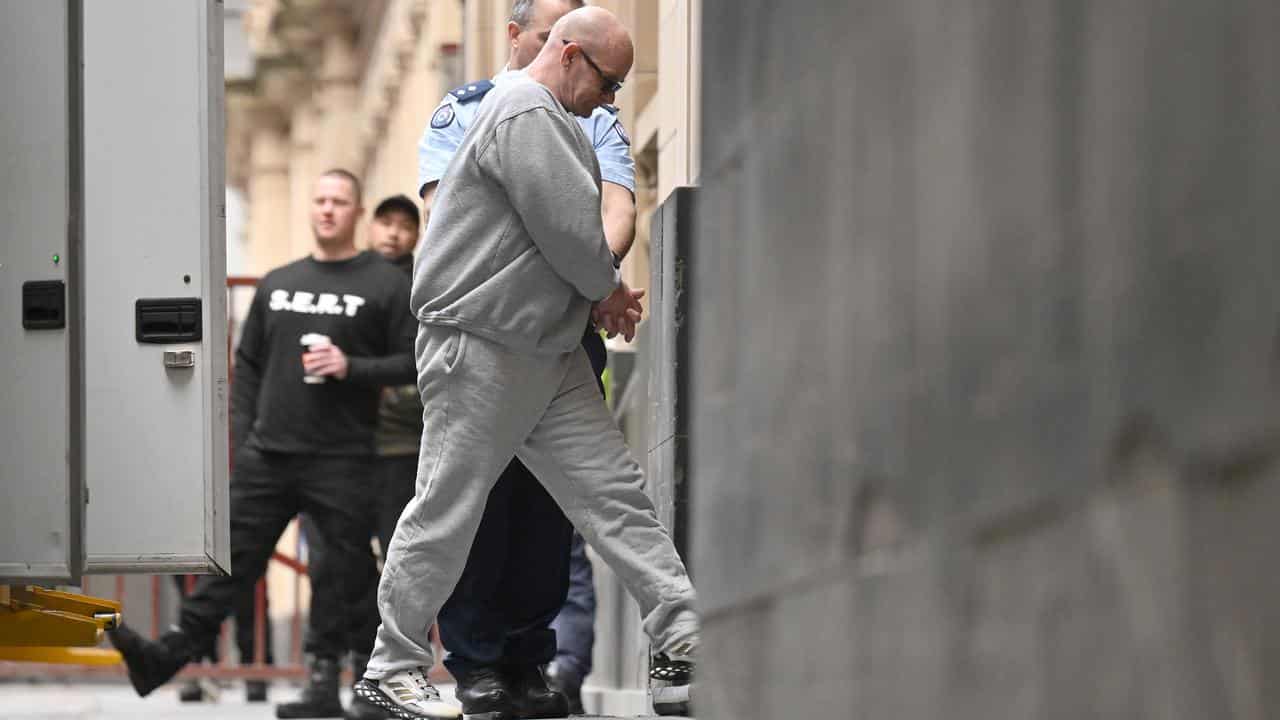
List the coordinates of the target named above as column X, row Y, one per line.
column 179, row 359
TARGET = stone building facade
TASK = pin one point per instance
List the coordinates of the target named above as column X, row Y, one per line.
column 352, row 83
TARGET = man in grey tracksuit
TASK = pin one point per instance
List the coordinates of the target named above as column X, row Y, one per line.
column 514, row 259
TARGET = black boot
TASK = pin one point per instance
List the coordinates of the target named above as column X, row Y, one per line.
column 191, row 691
column 361, row 709
column 568, row 683
column 484, row 694
column 255, row 691
column 532, row 697
column 320, row 696
column 151, row 662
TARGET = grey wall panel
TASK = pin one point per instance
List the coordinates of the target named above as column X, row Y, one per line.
column 39, row 538
column 987, row 364
column 156, row 449
column 668, row 331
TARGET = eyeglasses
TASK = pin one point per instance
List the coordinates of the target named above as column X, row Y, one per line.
column 610, row 85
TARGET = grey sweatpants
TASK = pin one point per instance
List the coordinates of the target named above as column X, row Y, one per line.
column 484, row 404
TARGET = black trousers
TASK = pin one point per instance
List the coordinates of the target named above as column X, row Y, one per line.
column 242, row 607
column 517, row 575
column 394, row 478
column 267, row 491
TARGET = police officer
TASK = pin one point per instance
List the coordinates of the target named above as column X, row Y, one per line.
column 498, row 625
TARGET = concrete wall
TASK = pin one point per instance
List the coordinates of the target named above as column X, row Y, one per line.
column 985, row 366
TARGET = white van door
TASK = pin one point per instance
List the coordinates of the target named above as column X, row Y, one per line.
column 113, row 336
column 41, row 488
column 155, row 350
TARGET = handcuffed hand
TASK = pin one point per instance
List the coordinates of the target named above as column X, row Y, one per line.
column 620, row 312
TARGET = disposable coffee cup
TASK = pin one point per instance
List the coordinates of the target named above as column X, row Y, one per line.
column 314, row 341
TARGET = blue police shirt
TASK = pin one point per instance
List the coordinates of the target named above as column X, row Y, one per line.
column 449, row 122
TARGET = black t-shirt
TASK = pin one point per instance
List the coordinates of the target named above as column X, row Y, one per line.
column 362, row 304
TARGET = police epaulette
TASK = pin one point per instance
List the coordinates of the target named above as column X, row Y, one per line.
column 471, row 91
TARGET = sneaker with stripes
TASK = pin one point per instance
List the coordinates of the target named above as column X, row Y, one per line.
column 407, row 694
column 671, row 679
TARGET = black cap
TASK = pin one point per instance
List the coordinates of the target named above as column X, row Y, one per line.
column 398, row 203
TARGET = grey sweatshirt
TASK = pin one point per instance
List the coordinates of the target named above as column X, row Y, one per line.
column 515, row 249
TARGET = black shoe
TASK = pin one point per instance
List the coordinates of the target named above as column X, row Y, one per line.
column 151, row 663
column 361, row 709
column 484, row 694
column 532, row 697
column 569, row 684
column 320, row 696
column 255, row 691
column 191, row 691
column 359, row 663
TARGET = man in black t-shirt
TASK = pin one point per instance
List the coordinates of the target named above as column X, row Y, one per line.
column 393, row 234
column 303, row 414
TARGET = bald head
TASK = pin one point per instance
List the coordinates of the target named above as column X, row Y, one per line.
column 600, row 33
column 585, row 60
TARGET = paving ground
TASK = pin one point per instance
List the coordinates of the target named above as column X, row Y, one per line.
column 84, row 701
column 56, row 701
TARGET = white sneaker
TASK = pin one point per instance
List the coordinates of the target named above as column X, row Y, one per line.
column 671, row 678
column 407, row 694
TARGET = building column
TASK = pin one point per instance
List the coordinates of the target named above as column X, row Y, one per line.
column 302, row 174
column 484, row 23
column 677, row 67
column 268, row 197
column 336, row 97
